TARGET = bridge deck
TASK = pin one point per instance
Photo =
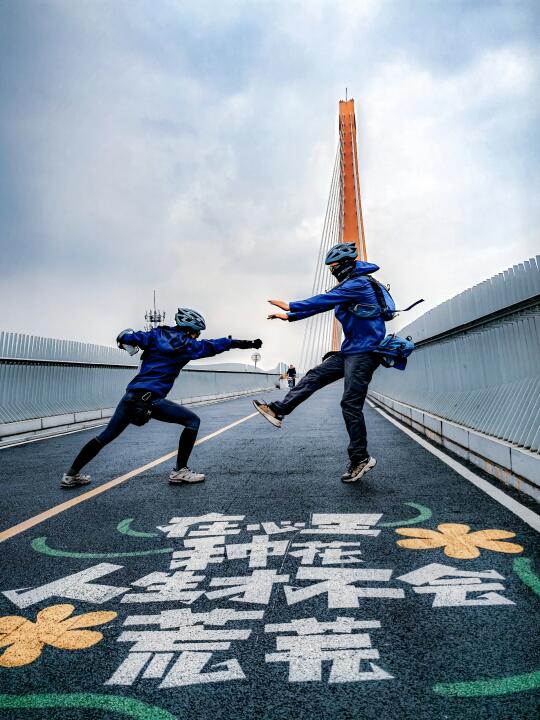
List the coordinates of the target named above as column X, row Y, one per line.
column 464, row 648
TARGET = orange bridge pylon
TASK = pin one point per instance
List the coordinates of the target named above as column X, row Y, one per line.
column 343, row 223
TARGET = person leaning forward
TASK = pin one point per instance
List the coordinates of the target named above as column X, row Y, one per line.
column 355, row 362
column 166, row 350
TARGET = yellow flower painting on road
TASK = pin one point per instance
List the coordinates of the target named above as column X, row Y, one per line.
column 25, row 639
column 457, row 540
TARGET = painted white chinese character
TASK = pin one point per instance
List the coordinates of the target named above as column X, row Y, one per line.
column 314, row 642
column 167, row 587
column 186, row 631
column 343, row 524
column 185, row 617
column 451, row 585
column 78, row 586
column 212, row 524
column 183, row 635
column 272, row 528
column 188, row 670
column 257, row 550
column 198, row 553
column 254, row 588
column 338, row 584
column 332, row 553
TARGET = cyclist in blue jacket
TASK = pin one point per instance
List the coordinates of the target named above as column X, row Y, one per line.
column 355, row 362
column 166, row 350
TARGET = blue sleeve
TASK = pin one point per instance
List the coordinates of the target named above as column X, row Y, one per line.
column 294, row 316
column 141, row 339
column 357, row 290
column 205, row 348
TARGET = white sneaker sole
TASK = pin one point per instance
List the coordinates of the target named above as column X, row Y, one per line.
column 271, row 419
column 179, row 481
column 75, row 485
column 371, row 464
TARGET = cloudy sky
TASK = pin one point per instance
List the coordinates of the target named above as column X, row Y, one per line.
column 187, row 147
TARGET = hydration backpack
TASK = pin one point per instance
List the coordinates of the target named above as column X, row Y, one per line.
column 395, row 350
column 385, row 306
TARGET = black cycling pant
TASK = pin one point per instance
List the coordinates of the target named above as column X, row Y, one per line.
column 164, row 410
column 357, row 370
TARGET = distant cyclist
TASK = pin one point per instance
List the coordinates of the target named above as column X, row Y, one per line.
column 291, row 376
column 166, row 350
column 356, row 361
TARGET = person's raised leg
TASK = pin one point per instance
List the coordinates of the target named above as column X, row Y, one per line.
column 318, row 377
column 171, row 412
column 359, row 370
column 117, row 424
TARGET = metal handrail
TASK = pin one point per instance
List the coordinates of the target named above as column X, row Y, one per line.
column 80, row 363
column 481, row 321
column 477, row 359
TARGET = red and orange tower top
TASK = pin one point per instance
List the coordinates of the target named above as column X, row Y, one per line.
column 353, row 222
column 352, row 227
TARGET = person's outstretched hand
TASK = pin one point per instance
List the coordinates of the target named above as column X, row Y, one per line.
column 278, row 316
column 280, row 304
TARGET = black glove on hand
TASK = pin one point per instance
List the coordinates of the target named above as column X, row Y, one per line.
column 246, row 344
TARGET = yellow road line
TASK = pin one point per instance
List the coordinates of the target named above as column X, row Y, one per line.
column 57, row 509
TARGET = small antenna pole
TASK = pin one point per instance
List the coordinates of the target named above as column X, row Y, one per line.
column 154, row 317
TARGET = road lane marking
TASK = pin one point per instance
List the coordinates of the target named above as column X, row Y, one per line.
column 523, row 569
column 57, row 509
column 528, row 516
column 120, row 704
column 40, row 545
column 491, row 686
column 424, row 513
column 124, row 527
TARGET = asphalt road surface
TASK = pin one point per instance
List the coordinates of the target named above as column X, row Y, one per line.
column 272, row 590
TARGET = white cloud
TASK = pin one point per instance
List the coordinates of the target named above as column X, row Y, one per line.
column 439, row 210
column 188, row 148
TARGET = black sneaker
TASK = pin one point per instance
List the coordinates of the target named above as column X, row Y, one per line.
column 358, row 469
column 73, row 481
column 267, row 412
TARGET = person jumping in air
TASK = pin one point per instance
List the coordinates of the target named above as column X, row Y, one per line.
column 166, row 350
column 356, row 362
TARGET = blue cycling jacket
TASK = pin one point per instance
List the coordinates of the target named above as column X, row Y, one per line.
column 361, row 334
column 166, row 350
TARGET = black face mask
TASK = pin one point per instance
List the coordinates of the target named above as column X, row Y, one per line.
column 342, row 270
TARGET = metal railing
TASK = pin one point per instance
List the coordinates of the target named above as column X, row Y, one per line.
column 42, row 377
column 477, row 361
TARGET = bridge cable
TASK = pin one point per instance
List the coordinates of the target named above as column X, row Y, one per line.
column 309, row 347
column 319, row 326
